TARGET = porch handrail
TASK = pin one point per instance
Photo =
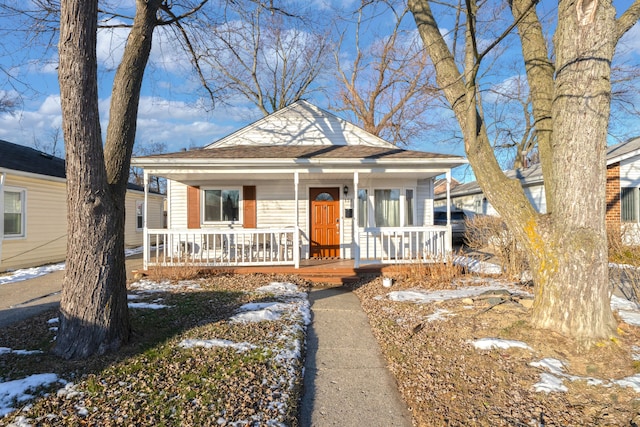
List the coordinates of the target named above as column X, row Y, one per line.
column 407, row 244
column 222, row 247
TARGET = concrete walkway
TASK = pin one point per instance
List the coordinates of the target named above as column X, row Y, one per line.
column 346, row 382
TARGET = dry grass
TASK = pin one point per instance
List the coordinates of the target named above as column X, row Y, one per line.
column 487, row 233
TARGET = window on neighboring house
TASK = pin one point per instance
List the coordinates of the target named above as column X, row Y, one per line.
column 387, row 207
column 363, row 208
column 221, row 205
column 139, row 214
column 629, row 204
column 14, row 213
column 408, row 207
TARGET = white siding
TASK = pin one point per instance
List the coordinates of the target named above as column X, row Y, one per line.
column 45, row 241
column 276, row 204
column 630, row 173
column 176, row 204
column 133, row 237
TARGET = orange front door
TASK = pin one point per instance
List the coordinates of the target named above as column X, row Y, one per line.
column 325, row 222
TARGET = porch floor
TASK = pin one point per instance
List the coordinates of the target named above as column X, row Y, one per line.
column 329, row 271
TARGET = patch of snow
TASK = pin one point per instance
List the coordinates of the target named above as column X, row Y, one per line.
column 550, row 383
column 492, row 343
column 150, row 286
column 439, row 314
column 19, row 390
column 420, row 296
column 554, row 366
column 29, row 273
column 635, row 352
column 149, row 305
column 628, row 310
column 6, row 350
column 240, row 347
column 54, row 320
column 632, row 381
column 258, row 312
column 131, row 297
column 476, row 266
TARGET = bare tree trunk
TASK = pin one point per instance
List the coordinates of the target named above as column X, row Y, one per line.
column 94, row 315
column 567, row 249
column 94, row 312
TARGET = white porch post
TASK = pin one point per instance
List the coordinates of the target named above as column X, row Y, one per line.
column 449, row 237
column 146, row 247
column 356, row 226
column 2, row 178
column 296, row 232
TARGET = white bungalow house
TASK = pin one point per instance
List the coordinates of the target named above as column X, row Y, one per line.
column 300, row 183
column 623, row 191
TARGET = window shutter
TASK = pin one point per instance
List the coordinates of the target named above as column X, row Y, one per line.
column 250, row 217
column 193, row 207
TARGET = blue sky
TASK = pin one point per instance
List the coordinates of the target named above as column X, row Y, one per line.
column 172, row 110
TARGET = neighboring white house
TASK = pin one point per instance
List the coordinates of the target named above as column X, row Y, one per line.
column 299, row 183
column 33, row 206
column 623, row 190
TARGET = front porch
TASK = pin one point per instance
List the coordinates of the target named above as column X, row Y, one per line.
column 290, row 246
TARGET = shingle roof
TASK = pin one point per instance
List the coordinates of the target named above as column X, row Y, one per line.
column 301, row 152
column 26, row 159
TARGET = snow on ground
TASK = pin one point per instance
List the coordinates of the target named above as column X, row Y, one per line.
column 289, row 303
column 33, row 272
column 149, row 305
column 491, row 343
column 242, row 346
column 5, row 350
column 19, row 390
column 551, row 381
column 475, row 266
column 150, row 286
column 29, row 273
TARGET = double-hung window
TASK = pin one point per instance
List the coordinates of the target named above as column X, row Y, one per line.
column 629, row 204
column 221, row 205
column 139, row 214
column 14, row 213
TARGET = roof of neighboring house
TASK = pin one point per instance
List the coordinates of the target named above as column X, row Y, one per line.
column 26, row 159
column 533, row 174
column 439, row 186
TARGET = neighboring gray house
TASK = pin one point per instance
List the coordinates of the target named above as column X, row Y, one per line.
column 300, row 183
column 623, row 190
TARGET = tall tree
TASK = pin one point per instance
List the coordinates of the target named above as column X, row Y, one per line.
column 386, row 83
column 270, row 59
column 570, row 93
column 94, row 313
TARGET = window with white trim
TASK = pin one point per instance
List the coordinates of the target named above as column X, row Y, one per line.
column 14, row 213
column 363, row 208
column 409, row 207
column 139, row 214
column 221, row 205
column 629, row 204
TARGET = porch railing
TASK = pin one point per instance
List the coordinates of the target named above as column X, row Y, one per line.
column 221, row 247
column 405, row 244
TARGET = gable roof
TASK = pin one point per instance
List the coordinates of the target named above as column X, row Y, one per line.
column 301, row 123
column 533, row 174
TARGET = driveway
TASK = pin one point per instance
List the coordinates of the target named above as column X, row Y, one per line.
column 21, row 300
